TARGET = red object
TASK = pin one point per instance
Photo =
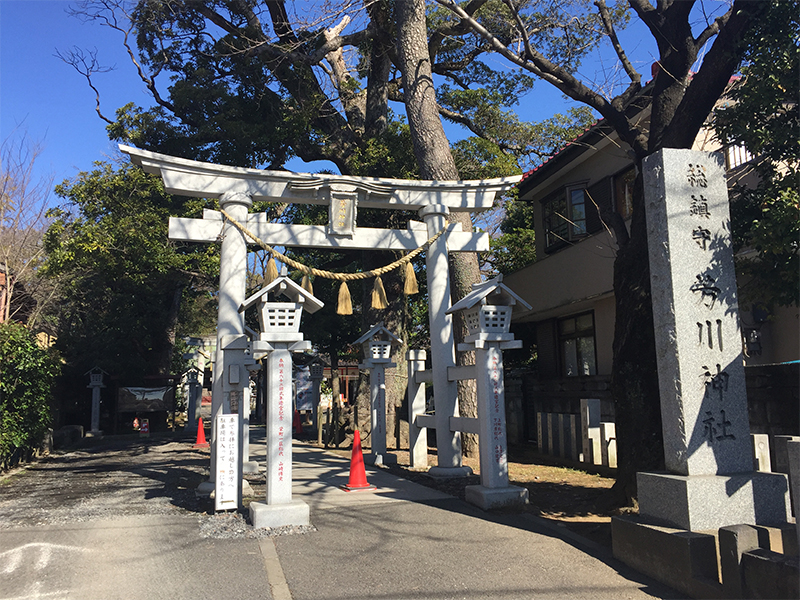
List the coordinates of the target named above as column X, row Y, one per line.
column 201, row 435
column 358, row 476
column 298, row 425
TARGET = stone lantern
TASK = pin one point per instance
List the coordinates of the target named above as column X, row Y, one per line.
column 95, row 383
column 279, row 337
column 487, row 310
column 378, row 343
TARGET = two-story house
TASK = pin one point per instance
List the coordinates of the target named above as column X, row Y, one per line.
column 570, row 286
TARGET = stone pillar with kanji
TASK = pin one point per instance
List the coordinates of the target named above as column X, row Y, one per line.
column 710, row 482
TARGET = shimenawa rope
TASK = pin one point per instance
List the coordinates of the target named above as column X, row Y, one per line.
column 344, row 305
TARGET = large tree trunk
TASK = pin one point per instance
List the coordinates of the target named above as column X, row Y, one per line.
column 435, row 161
column 167, row 344
column 634, row 377
column 464, row 271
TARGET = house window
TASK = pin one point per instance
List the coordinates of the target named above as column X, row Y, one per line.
column 576, row 345
column 736, row 156
column 565, row 216
column 623, row 192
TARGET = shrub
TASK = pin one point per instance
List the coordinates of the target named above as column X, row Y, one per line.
column 27, row 373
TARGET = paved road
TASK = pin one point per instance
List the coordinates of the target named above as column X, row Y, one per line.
column 401, row 541
column 128, row 558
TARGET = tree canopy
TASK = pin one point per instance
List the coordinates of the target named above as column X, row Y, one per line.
column 24, row 297
column 760, row 113
column 124, row 283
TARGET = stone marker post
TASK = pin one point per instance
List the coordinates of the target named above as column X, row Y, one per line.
column 195, row 390
column 377, row 402
column 279, row 426
column 710, row 483
column 417, row 436
column 95, row 384
column 316, row 373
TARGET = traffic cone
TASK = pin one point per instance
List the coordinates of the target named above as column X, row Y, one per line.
column 201, row 435
column 358, row 476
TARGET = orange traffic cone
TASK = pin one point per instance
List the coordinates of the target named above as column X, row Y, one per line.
column 358, row 476
column 201, row 435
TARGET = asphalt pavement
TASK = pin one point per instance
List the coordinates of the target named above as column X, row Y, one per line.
column 401, row 541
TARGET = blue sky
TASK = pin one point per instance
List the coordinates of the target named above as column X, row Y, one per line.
column 45, row 98
column 52, row 104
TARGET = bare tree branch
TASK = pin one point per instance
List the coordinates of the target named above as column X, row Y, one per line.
column 634, row 76
column 713, row 29
column 86, row 66
column 536, row 63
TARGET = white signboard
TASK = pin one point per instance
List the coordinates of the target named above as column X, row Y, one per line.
column 226, row 495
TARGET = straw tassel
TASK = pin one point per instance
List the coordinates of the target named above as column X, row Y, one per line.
column 272, row 271
column 344, row 306
column 379, row 300
column 410, row 286
column 306, row 285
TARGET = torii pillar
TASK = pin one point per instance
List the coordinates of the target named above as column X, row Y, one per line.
column 445, row 392
column 230, row 322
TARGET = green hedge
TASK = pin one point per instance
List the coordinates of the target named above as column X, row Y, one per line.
column 27, row 373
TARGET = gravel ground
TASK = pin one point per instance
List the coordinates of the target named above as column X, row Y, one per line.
column 121, row 478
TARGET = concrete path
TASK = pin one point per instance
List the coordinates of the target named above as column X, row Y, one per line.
column 405, row 540
column 144, row 557
column 402, row 541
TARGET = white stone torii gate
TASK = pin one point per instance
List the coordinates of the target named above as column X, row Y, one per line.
column 237, row 188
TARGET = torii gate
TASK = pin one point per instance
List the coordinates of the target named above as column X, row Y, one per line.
column 237, row 188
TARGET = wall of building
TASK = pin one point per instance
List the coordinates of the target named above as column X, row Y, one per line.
column 598, row 162
column 580, row 272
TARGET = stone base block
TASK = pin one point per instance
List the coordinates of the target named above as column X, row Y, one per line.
column 378, row 460
column 708, row 502
column 94, row 433
column 450, row 472
column 683, row 560
column 767, row 574
column 294, row 513
column 250, row 466
column 488, row 498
